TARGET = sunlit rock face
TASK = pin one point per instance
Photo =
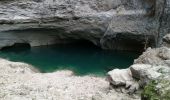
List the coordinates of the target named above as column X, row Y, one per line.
column 110, row 24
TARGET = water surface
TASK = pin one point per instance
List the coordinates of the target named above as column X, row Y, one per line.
column 82, row 59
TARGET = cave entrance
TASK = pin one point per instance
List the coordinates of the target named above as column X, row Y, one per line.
column 81, row 56
column 17, row 47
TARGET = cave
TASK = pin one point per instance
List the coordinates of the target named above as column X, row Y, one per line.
column 80, row 55
column 16, row 47
column 50, row 50
column 129, row 42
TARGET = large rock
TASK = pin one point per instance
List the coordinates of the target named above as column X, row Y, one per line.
column 166, row 40
column 159, row 88
column 119, row 77
column 111, row 24
column 164, row 53
column 151, row 65
column 154, row 79
column 150, row 71
column 136, row 69
column 157, row 56
column 122, row 78
column 149, row 57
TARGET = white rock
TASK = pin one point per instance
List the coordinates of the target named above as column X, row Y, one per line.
column 136, row 69
column 60, row 85
column 164, row 53
column 119, row 76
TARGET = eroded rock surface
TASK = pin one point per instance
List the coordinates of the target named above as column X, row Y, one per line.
column 152, row 79
column 157, row 56
column 120, row 77
column 151, row 71
column 110, row 24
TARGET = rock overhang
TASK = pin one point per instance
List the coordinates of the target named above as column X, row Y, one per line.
column 96, row 21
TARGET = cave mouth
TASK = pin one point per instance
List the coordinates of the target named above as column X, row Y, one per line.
column 82, row 57
column 17, row 47
column 129, row 42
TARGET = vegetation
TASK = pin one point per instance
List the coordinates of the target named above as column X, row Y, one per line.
column 149, row 92
column 157, row 90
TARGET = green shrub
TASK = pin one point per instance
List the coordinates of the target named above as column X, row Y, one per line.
column 151, row 92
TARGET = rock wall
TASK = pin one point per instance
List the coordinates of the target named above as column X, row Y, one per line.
column 111, row 24
column 164, row 21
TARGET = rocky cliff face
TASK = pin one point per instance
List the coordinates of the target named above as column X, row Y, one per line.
column 150, row 74
column 111, row 24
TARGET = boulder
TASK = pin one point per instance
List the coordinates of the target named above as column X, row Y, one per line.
column 166, row 40
column 164, row 53
column 146, row 73
column 149, row 57
column 119, row 77
column 137, row 69
column 156, row 56
column 121, row 80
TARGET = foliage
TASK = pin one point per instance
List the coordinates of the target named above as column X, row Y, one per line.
column 149, row 92
column 157, row 90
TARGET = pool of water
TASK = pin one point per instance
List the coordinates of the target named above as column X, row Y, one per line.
column 82, row 59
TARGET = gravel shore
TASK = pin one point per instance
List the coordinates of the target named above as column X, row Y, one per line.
column 19, row 82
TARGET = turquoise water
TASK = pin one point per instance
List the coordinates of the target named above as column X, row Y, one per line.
column 82, row 59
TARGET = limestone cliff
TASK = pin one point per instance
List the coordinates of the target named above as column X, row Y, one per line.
column 111, row 24
column 150, row 74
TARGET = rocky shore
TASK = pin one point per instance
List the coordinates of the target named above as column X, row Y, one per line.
column 147, row 79
column 19, row 82
column 109, row 24
column 149, row 74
